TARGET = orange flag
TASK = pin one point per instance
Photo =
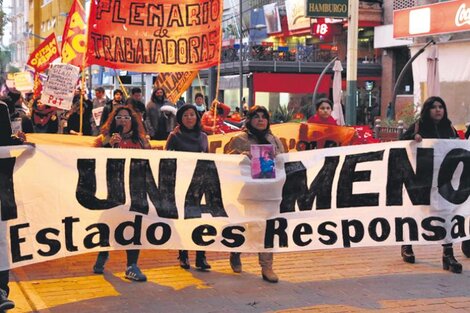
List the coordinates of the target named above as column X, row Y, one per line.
column 74, row 37
column 175, row 83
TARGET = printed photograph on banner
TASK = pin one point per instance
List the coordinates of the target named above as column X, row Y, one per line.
column 155, row 36
column 262, row 161
column 60, row 86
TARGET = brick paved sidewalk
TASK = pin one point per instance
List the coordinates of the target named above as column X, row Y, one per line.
column 346, row 280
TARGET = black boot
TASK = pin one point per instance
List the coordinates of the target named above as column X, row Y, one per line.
column 466, row 248
column 407, row 254
column 449, row 263
column 201, row 262
column 184, row 259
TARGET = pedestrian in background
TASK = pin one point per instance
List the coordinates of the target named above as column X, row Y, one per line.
column 161, row 115
column 118, row 100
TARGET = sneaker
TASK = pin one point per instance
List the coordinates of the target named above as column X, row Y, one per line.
column 5, row 303
column 101, row 260
column 133, row 273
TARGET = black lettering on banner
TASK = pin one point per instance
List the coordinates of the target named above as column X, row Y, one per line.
column 299, row 231
column 68, row 225
column 276, row 227
column 202, row 231
column 412, row 228
column 205, row 182
column 135, row 17
column 447, row 170
column 142, row 183
column 53, row 244
column 155, row 12
column 152, row 233
column 458, row 227
column 400, row 172
column 15, row 241
column 136, row 229
column 231, row 238
column 358, row 232
column 116, row 12
column 8, row 209
column 323, row 231
column 344, row 196
column 295, row 187
column 102, row 233
column 86, row 187
column 439, row 232
column 384, row 226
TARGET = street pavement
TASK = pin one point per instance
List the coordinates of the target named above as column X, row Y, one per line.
column 341, row 280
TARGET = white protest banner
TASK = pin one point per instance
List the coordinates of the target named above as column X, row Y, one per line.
column 60, row 86
column 97, row 112
column 58, row 200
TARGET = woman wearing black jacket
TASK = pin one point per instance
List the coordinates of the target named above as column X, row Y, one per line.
column 432, row 123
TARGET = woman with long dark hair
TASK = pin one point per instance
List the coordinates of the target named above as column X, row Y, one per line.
column 187, row 136
column 124, row 130
column 256, row 131
column 433, row 123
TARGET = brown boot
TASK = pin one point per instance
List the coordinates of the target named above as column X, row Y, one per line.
column 269, row 275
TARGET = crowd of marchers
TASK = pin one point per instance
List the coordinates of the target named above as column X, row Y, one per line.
column 131, row 124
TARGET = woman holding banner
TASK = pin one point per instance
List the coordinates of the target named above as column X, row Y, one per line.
column 187, row 136
column 123, row 129
column 256, row 132
column 433, row 123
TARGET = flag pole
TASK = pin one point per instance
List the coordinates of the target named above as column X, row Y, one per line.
column 120, row 84
column 82, row 89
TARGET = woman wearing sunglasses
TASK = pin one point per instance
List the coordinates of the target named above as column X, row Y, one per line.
column 123, row 129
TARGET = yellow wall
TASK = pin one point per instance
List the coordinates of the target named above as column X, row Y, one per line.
column 42, row 14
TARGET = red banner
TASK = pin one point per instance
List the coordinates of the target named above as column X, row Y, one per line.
column 47, row 52
column 74, row 37
column 175, row 83
column 37, row 87
column 439, row 18
column 155, row 36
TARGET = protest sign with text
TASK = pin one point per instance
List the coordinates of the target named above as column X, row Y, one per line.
column 155, row 36
column 92, row 199
column 60, row 86
column 175, row 83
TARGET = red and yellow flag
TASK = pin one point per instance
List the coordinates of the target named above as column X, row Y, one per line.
column 74, row 37
column 47, row 52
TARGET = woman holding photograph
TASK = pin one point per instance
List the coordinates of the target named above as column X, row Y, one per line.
column 189, row 137
column 256, row 132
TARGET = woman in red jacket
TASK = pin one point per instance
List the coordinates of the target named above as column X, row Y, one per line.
column 323, row 107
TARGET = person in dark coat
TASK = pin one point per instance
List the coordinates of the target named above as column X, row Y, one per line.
column 432, row 123
column 187, row 136
column 118, row 100
column 6, row 139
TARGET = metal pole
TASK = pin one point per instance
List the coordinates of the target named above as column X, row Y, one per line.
column 315, row 91
column 351, row 72
column 241, row 53
column 402, row 74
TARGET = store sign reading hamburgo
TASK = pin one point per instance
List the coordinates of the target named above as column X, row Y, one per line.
column 327, row 8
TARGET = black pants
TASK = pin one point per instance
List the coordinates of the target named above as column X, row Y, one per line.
column 4, row 278
column 132, row 256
